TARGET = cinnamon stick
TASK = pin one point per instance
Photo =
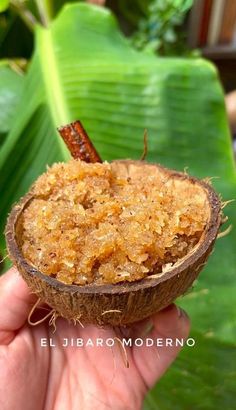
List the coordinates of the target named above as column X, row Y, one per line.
column 78, row 142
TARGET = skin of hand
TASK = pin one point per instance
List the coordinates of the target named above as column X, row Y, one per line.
column 68, row 378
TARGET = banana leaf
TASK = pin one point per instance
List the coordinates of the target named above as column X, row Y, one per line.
column 11, row 85
column 83, row 68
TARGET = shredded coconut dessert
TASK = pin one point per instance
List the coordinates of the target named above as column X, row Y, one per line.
column 111, row 222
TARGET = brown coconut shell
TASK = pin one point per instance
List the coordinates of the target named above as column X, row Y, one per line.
column 121, row 303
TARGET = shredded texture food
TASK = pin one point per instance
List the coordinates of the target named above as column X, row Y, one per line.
column 111, row 222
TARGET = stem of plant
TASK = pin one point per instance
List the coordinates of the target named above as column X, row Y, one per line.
column 28, row 18
column 45, row 11
column 145, row 145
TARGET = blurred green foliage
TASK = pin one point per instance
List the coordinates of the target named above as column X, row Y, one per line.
column 152, row 25
column 11, row 86
column 4, row 5
column 161, row 28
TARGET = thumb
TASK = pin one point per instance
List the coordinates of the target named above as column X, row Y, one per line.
column 15, row 304
column 166, row 326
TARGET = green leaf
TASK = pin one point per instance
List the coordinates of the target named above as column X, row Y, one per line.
column 4, row 5
column 83, row 68
column 11, row 85
column 194, row 382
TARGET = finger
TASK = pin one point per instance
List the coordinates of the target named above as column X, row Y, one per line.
column 15, row 304
column 168, row 325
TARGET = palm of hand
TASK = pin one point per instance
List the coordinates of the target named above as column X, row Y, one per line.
column 61, row 378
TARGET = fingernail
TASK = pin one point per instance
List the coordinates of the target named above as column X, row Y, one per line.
column 147, row 328
column 141, row 329
column 181, row 312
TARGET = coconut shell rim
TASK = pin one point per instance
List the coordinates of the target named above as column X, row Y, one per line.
column 210, row 235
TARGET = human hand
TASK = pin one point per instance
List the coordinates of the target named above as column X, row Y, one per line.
column 68, row 378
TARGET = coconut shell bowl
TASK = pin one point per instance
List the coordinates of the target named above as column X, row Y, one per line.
column 121, row 301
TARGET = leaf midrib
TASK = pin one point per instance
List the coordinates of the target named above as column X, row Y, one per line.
column 49, row 66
